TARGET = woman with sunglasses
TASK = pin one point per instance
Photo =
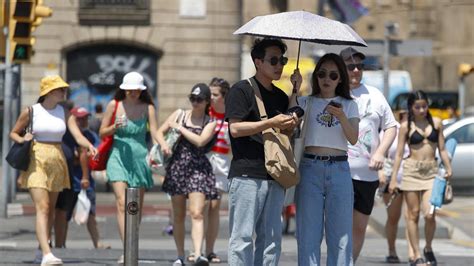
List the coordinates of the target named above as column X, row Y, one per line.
column 423, row 134
column 189, row 173
column 324, row 197
column 126, row 166
column 47, row 172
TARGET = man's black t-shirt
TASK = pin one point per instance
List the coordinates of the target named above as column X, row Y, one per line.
column 248, row 153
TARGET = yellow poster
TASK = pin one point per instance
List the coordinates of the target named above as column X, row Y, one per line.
column 306, row 66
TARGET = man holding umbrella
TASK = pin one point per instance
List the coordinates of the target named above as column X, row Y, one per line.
column 366, row 157
column 255, row 199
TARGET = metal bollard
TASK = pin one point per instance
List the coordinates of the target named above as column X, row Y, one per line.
column 132, row 213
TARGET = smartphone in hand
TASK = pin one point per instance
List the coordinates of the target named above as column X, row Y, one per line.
column 335, row 104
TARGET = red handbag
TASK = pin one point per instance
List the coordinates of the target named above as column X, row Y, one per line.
column 103, row 151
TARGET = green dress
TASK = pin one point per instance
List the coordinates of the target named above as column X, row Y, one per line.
column 127, row 158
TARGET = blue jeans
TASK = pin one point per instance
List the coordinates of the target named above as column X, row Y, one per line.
column 324, row 201
column 255, row 205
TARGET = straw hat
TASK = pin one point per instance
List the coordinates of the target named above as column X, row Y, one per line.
column 50, row 83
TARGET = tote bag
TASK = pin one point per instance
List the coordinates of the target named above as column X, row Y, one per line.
column 279, row 158
column 99, row 162
column 19, row 154
column 155, row 159
column 299, row 149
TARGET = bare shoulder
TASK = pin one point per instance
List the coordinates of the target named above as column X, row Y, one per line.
column 404, row 125
column 111, row 105
column 437, row 122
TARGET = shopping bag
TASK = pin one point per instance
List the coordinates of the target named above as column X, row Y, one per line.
column 437, row 194
column 83, row 207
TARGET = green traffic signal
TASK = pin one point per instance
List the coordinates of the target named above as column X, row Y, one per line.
column 20, row 52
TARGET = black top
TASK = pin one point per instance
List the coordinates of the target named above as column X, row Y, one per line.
column 248, row 153
column 417, row 138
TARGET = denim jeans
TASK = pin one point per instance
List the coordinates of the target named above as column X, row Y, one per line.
column 324, row 201
column 255, row 205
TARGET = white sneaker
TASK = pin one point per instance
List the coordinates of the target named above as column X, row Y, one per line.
column 178, row 262
column 38, row 256
column 50, row 259
column 120, row 260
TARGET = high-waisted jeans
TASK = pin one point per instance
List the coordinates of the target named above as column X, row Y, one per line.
column 324, row 203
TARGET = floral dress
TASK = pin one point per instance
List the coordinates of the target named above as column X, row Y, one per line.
column 189, row 170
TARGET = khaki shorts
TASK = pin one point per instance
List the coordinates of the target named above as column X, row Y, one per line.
column 418, row 175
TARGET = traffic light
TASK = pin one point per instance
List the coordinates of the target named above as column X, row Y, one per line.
column 24, row 17
column 464, row 69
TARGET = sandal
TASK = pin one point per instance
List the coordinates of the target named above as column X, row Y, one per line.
column 392, row 259
column 213, row 258
column 191, row 257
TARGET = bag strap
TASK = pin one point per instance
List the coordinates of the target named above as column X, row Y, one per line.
column 180, row 116
column 29, row 128
column 258, row 98
column 112, row 121
column 309, row 103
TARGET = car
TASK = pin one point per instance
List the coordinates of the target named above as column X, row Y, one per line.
column 440, row 103
column 463, row 160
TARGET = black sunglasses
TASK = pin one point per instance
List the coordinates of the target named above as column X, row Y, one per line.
column 351, row 67
column 275, row 60
column 195, row 99
column 322, row 74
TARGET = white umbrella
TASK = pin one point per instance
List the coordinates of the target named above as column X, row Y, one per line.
column 302, row 26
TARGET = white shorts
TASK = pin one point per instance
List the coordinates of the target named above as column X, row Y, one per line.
column 220, row 167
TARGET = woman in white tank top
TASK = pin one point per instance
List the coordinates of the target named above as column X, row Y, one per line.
column 47, row 173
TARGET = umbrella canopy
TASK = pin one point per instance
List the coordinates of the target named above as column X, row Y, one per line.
column 302, row 26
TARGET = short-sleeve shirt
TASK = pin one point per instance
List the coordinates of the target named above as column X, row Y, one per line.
column 248, row 152
column 77, row 170
column 323, row 129
column 375, row 116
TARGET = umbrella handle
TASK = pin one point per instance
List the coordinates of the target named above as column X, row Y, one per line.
column 297, row 65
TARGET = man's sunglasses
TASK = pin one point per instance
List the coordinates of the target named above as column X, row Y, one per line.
column 275, row 60
column 323, row 74
column 351, row 67
column 195, row 99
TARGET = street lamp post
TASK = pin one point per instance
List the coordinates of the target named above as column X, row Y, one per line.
column 391, row 28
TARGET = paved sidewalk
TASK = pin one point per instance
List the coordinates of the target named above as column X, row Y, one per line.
column 18, row 242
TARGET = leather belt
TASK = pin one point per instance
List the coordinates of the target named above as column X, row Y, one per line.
column 337, row 158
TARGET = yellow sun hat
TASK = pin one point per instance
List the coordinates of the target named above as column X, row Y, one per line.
column 50, row 83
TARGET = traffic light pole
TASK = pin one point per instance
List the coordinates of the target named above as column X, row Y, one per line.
column 461, row 95
column 7, row 116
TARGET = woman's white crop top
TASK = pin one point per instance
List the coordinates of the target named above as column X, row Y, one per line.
column 48, row 125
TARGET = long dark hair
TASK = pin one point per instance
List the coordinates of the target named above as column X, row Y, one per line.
column 145, row 96
column 342, row 88
column 412, row 97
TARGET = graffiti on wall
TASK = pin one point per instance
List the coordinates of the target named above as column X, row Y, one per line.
column 95, row 72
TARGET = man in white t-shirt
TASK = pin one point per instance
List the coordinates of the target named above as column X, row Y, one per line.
column 366, row 157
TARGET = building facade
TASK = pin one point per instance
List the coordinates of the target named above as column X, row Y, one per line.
column 176, row 44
